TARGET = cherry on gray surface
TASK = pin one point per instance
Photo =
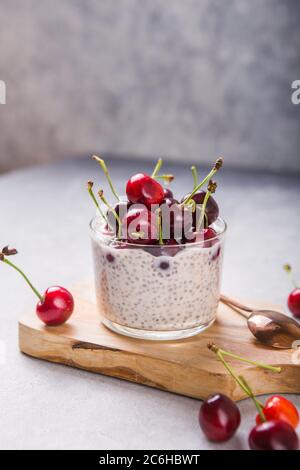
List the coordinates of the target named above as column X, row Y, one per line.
column 45, row 213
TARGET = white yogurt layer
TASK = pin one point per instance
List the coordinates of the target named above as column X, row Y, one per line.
column 139, row 290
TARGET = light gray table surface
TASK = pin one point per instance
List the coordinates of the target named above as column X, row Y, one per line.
column 45, row 213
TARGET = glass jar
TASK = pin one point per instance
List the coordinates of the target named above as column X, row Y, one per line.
column 153, row 292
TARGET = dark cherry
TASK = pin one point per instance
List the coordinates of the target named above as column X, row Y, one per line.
column 294, row 302
column 177, row 219
column 121, row 209
column 170, row 248
column 107, row 230
column 212, row 208
column 56, row 306
column 139, row 220
column 169, row 201
column 219, row 418
column 168, row 194
column 143, row 189
column 273, row 435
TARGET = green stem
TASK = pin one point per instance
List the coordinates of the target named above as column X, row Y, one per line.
column 25, row 277
column 159, row 224
column 258, row 405
column 243, row 359
column 105, row 170
column 202, row 214
column 231, row 372
column 165, row 178
column 195, row 175
column 216, row 168
column 288, row 269
column 157, row 167
column 103, row 199
column 91, row 193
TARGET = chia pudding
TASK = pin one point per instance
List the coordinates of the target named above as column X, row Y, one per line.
column 157, row 258
column 157, row 295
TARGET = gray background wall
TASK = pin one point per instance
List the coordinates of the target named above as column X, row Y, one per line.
column 184, row 79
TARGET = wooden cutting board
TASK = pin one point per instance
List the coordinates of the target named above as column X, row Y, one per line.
column 185, row 367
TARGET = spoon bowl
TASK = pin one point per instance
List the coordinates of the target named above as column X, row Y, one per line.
column 268, row 326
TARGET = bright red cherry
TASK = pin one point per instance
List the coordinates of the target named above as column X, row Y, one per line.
column 294, row 302
column 278, row 407
column 56, row 306
column 219, row 418
column 143, row 189
column 273, row 435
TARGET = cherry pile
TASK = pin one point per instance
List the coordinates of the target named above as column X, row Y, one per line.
column 277, row 419
column 56, row 305
column 151, row 215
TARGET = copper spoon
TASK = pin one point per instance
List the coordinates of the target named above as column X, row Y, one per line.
column 269, row 327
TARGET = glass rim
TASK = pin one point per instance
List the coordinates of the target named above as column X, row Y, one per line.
column 101, row 236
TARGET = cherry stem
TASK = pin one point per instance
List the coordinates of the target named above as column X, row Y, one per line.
column 288, row 269
column 103, row 199
column 240, row 380
column 216, row 168
column 195, row 175
column 159, row 224
column 258, row 405
column 5, row 260
column 231, row 372
column 91, row 193
column 165, row 178
column 157, row 167
column 203, row 214
column 105, row 170
column 214, row 348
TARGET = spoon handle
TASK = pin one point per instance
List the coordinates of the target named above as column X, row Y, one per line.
column 237, row 306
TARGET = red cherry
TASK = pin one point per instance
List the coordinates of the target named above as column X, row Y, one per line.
column 143, row 189
column 177, row 219
column 140, row 225
column 219, row 418
column 278, row 407
column 170, row 248
column 121, row 209
column 205, row 234
column 56, row 306
column 273, row 435
column 209, row 233
column 212, row 208
column 294, row 302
